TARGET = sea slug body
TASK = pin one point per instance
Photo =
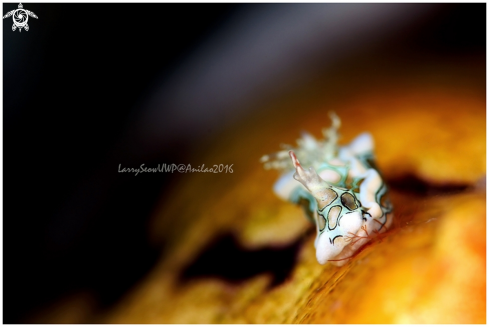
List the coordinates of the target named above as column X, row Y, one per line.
column 342, row 191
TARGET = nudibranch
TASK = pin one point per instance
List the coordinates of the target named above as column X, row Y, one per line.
column 342, row 191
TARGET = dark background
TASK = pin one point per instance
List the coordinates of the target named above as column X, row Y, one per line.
column 75, row 87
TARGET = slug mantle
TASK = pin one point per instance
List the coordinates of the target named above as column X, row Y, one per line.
column 341, row 191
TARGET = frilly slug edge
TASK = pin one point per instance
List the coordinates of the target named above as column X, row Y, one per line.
column 341, row 191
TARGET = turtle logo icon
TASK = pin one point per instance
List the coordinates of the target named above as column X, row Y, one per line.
column 20, row 17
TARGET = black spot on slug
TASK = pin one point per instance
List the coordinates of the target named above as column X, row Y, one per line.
column 348, row 201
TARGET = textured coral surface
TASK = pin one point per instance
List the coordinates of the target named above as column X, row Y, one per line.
column 429, row 268
column 234, row 253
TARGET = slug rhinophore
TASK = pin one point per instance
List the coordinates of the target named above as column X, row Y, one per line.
column 342, row 191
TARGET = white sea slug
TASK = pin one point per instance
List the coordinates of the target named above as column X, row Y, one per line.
column 342, row 191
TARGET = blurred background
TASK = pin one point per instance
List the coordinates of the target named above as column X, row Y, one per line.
column 93, row 86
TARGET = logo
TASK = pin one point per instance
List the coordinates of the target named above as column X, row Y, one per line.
column 20, row 17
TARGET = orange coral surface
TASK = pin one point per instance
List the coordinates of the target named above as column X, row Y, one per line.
column 429, row 268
